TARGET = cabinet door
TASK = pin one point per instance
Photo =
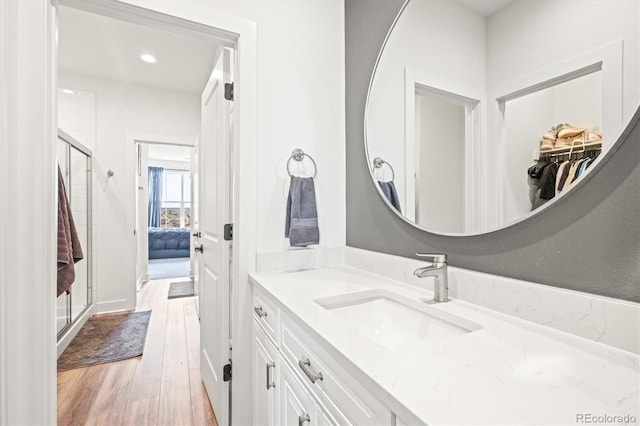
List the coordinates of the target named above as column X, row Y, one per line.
column 298, row 407
column 323, row 418
column 265, row 380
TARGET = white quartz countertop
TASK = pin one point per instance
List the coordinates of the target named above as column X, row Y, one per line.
column 509, row 372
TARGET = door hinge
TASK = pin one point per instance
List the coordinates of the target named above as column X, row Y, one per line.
column 228, row 91
column 226, row 372
column 228, row 232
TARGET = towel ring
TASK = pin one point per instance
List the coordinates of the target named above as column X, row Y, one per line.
column 379, row 162
column 299, row 155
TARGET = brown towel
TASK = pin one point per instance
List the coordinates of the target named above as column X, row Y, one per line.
column 69, row 250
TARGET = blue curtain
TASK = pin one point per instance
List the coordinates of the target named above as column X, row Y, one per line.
column 155, row 195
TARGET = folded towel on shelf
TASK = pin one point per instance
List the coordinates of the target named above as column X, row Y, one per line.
column 69, row 250
column 302, row 216
column 389, row 191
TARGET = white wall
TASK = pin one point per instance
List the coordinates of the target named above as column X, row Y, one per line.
column 77, row 115
column 123, row 110
column 425, row 38
column 300, row 105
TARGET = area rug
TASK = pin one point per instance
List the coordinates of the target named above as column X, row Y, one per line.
column 106, row 338
column 180, row 289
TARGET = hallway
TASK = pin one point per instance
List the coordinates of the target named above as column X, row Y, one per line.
column 163, row 387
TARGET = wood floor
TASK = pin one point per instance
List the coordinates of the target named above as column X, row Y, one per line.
column 163, row 387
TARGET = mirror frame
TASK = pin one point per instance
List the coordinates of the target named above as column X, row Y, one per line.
column 597, row 164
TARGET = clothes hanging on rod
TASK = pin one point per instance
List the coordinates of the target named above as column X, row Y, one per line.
column 69, row 249
column 555, row 172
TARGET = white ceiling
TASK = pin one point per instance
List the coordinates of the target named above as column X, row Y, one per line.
column 169, row 152
column 485, row 7
column 105, row 47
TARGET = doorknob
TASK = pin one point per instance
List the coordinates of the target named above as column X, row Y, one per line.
column 199, row 248
column 197, row 234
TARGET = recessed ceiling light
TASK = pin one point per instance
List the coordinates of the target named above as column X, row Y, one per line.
column 68, row 91
column 150, row 59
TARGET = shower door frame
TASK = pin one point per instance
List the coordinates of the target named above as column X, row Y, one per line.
column 68, row 332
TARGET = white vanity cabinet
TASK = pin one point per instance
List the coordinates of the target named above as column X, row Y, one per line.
column 296, row 382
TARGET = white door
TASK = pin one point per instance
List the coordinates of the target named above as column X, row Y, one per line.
column 195, row 223
column 215, row 212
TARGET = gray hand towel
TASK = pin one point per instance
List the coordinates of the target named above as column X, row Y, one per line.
column 389, row 190
column 302, row 216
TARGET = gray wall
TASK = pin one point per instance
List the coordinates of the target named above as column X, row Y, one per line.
column 588, row 241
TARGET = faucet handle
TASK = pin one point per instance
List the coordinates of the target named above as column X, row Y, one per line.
column 434, row 257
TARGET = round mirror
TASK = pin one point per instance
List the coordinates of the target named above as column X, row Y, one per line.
column 483, row 112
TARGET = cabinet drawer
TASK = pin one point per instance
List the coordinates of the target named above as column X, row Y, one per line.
column 299, row 403
column 309, row 362
column 267, row 315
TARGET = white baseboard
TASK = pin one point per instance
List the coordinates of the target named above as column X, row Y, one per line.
column 73, row 330
column 141, row 280
column 113, row 306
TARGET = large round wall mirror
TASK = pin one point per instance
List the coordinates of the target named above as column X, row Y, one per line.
column 481, row 113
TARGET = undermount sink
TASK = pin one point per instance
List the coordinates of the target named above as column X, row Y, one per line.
column 395, row 321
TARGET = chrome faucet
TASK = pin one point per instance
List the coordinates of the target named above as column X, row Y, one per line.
column 438, row 270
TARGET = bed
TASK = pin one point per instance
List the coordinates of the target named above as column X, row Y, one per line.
column 168, row 242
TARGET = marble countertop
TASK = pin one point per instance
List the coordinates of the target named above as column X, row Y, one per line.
column 510, row 371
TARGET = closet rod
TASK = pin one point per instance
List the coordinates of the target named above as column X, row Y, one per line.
column 587, row 151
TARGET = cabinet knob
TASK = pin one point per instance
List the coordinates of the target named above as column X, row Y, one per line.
column 304, row 419
column 260, row 311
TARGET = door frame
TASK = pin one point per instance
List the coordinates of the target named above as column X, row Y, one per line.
column 28, row 171
column 426, row 83
column 28, row 77
column 133, row 139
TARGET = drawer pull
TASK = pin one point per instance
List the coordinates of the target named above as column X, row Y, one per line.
column 270, row 383
column 306, row 367
column 304, row 419
column 259, row 311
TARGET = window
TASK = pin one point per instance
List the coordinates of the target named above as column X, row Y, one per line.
column 176, row 199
